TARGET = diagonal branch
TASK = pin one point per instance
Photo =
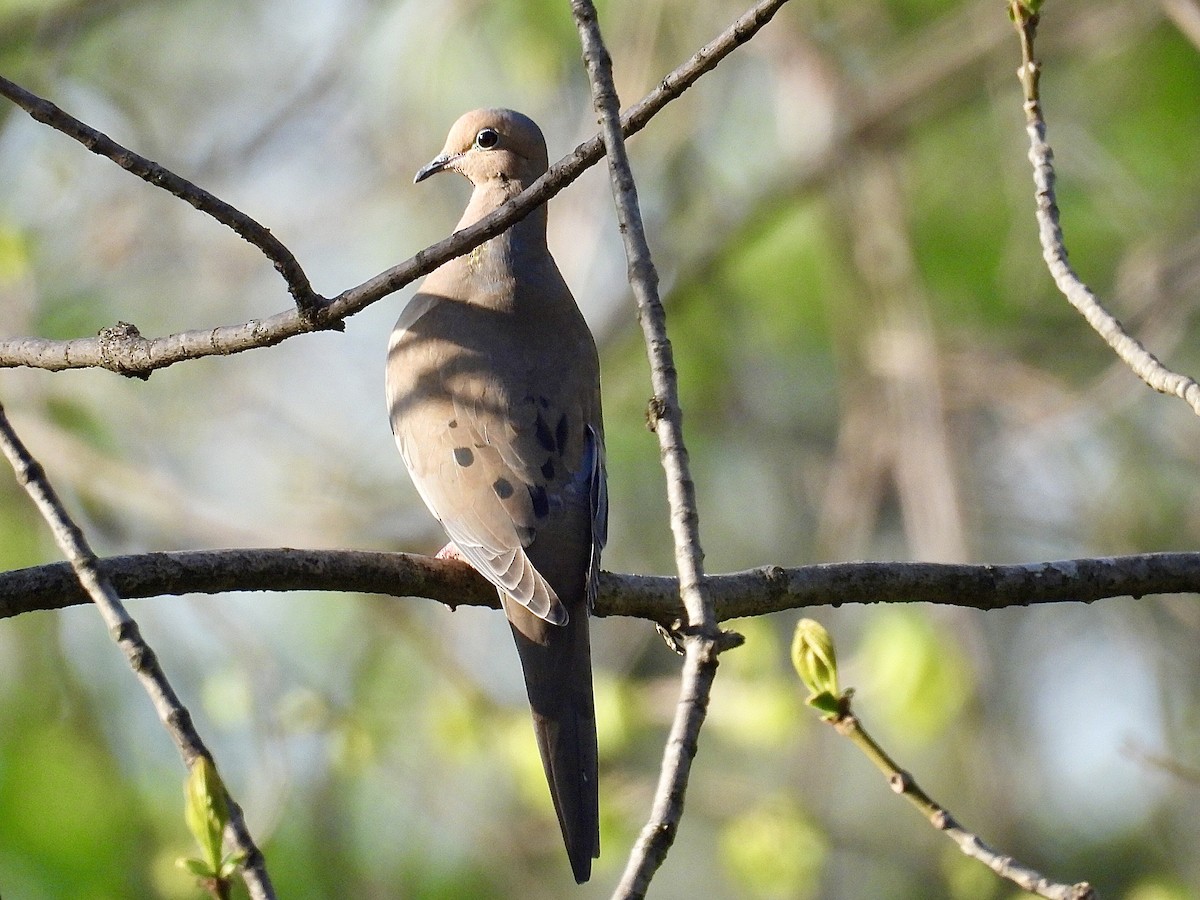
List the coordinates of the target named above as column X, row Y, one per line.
column 1143, row 363
column 129, row 353
column 755, row 592
column 124, row 631
column 847, row 724
column 307, row 301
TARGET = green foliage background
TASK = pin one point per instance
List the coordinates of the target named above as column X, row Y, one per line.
column 874, row 364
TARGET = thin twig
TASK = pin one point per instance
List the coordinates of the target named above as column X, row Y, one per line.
column 848, row 725
column 139, row 356
column 702, row 640
column 1143, row 363
column 307, row 301
column 735, row 595
column 125, row 632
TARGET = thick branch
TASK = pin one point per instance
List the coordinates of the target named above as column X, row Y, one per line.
column 87, row 575
column 755, row 592
column 139, row 356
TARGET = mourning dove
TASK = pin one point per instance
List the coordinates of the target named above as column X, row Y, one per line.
column 493, row 384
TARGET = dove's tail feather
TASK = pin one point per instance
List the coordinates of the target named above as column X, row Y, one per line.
column 556, row 660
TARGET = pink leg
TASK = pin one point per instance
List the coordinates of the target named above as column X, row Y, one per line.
column 450, row 551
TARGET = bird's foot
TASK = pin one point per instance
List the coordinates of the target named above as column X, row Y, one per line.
column 673, row 636
column 450, row 551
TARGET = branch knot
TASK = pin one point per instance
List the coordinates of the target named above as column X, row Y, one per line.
column 123, row 350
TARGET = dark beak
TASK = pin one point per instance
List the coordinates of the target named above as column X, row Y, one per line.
column 436, row 165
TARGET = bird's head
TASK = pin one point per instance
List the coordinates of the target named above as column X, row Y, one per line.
column 492, row 145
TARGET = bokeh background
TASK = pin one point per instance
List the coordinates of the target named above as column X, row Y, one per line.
column 874, row 365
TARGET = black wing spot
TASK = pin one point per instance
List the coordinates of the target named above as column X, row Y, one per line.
column 545, row 438
column 453, row 423
column 541, row 503
column 463, row 456
column 503, row 488
column 548, row 470
column 561, row 433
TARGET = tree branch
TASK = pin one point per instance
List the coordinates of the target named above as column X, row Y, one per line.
column 132, row 354
column 88, row 577
column 755, row 592
column 847, row 724
column 307, row 301
column 1143, row 363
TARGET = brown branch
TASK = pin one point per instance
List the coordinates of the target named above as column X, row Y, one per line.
column 139, row 356
column 755, row 592
column 307, row 301
column 1143, row 363
column 88, row 577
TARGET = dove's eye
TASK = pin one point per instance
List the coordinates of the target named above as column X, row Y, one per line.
column 487, row 138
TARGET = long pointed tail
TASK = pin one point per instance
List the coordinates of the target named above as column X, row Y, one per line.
column 557, row 663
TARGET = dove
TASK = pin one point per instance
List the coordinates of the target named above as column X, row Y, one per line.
column 493, row 387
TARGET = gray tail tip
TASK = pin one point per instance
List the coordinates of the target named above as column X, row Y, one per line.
column 581, row 860
column 581, row 868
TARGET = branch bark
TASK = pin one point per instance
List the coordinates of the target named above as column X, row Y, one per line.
column 755, row 592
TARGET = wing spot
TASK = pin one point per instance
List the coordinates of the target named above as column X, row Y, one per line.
column 545, row 438
column 503, row 488
column 561, row 433
column 453, row 423
column 548, row 470
column 463, row 456
column 541, row 503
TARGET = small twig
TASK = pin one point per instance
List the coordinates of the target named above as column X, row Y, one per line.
column 814, row 657
column 148, row 354
column 848, row 725
column 124, row 631
column 735, row 595
column 702, row 640
column 1143, row 363
column 307, row 301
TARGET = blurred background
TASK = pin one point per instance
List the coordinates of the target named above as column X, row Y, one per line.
column 874, row 365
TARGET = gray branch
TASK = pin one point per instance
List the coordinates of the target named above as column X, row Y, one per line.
column 1143, row 363
column 702, row 640
column 846, row 723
